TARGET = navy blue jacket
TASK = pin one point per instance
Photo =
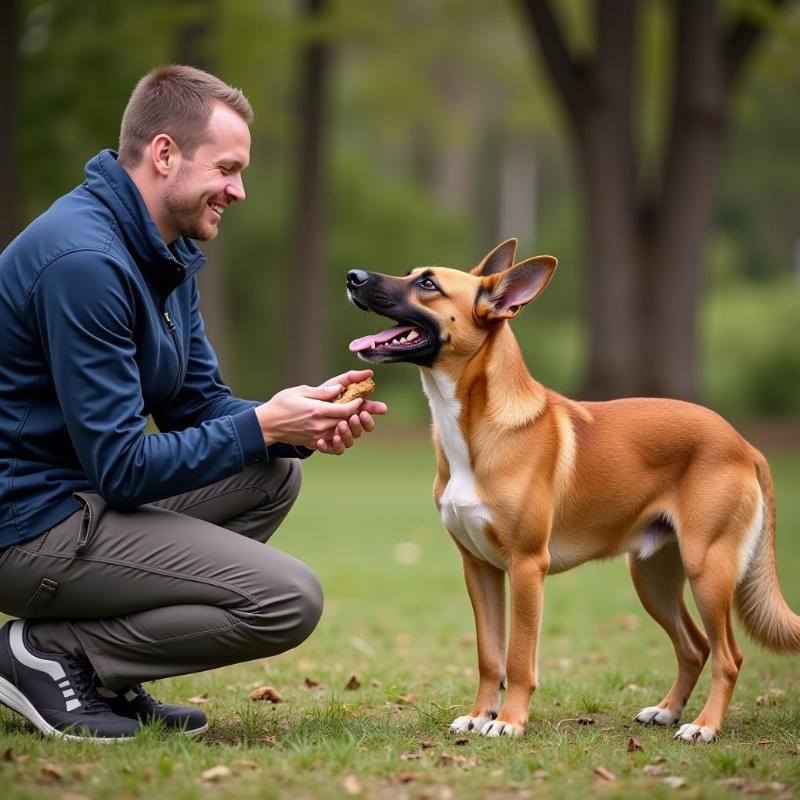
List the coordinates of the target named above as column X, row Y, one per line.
column 100, row 327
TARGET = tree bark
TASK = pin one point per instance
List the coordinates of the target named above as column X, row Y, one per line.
column 307, row 325
column 10, row 184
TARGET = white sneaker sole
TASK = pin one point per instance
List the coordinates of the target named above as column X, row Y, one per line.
column 13, row 698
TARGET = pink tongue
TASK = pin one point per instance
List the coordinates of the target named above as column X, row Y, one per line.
column 365, row 342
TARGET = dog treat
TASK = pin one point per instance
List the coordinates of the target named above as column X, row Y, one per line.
column 355, row 390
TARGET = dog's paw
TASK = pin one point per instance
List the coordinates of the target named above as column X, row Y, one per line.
column 695, row 733
column 654, row 715
column 467, row 724
column 499, row 728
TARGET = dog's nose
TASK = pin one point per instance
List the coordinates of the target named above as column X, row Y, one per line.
column 357, row 277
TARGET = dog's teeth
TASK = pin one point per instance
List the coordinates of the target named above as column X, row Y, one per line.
column 411, row 336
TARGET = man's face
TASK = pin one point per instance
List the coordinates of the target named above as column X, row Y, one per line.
column 197, row 194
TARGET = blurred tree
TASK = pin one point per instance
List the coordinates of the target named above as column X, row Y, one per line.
column 644, row 246
column 194, row 47
column 10, row 187
column 307, row 328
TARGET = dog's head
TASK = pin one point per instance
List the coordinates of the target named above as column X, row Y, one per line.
column 440, row 312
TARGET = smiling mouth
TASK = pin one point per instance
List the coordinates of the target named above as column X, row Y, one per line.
column 217, row 207
column 398, row 338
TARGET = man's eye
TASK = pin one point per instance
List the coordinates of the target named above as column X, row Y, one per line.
column 225, row 170
column 427, row 283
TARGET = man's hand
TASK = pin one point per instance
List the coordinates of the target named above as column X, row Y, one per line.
column 306, row 416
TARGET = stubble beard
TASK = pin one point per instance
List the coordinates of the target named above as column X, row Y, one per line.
column 187, row 211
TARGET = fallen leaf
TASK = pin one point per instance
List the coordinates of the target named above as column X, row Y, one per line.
column 375, row 683
column 311, row 683
column 461, row 742
column 654, row 771
column 52, row 773
column 408, row 699
column 444, row 760
column 268, row 694
column 764, row 742
column 199, row 699
column 270, row 741
column 8, row 755
column 603, row 773
column 353, row 684
column 633, row 745
column 585, row 721
column 246, row 763
column 218, row 773
column 407, row 777
column 351, row 785
column 427, row 744
column 411, row 756
column 673, row 781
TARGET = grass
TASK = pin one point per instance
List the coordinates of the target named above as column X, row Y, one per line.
column 397, row 618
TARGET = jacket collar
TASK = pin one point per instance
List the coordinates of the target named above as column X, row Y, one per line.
column 167, row 265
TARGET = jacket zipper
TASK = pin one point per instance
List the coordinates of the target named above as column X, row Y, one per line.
column 172, row 331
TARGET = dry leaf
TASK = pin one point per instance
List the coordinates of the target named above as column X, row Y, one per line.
column 411, row 756
column 217, row 773
column 270, row 741
column 585, row 721
column 351, row 785
column 654, row 771
column 427, row 744
column 199, row 699
column 246, row 763
column 268, row 694
column 375, row 683
column 311, row 683
column 633, row 745
column 407, row 777
column 408, row 699
column 8, row 755
column 764, row 742
column 461, row 742
column 353, row 684
column 52, row 773
column 445, row 759
column 673, row 781
column 603, row 773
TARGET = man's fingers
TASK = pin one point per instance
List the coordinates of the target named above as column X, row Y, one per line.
column 352, row 376
column 374, row 407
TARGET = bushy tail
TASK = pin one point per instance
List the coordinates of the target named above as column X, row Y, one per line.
column 762, row 610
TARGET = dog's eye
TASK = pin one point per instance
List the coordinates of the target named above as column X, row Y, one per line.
column 427, row 283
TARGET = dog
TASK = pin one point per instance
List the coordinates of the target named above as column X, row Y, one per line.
column 530, row 483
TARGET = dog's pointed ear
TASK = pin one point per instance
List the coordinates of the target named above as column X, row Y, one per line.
column 499, row 260
column 505, row 294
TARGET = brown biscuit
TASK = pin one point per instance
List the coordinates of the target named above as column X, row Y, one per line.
column 355, row 390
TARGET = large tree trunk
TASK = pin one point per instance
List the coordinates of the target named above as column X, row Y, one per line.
column 10, row 189
column 644, row 256
column 307, row 323
column 194, row 50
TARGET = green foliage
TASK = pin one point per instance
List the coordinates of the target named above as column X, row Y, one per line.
column 751, row 355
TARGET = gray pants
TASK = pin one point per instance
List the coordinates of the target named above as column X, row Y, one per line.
column 178, row 586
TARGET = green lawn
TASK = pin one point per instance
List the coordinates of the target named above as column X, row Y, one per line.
column 397, row 618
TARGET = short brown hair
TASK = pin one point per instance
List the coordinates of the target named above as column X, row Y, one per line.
column 176, row 100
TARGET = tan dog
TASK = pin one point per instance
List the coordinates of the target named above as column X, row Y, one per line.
column 530, row 483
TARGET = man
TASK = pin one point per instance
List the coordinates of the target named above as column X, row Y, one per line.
column 132, row 556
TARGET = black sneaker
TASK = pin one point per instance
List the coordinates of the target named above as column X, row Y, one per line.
column 136, row 703
column 57, row 692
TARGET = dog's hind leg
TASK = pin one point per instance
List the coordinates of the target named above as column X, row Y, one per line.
column 659, row 582
column 486, row 587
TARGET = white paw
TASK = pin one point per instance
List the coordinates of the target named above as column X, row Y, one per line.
column 498, row 728
column 654, row 715
column 695, row 733
column 468, row 723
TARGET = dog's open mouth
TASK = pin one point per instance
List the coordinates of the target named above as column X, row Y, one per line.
column 398, row 338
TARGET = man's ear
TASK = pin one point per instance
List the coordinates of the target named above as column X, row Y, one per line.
column 163, row 152
column 504, row 295
column 499, row 260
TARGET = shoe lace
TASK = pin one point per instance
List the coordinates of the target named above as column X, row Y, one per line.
column 142, row 695
column 84, row 681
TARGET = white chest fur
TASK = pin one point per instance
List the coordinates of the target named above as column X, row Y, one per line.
column 462, row 511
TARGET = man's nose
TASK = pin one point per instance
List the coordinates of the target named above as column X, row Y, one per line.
column 357, row 277
column 235, row 189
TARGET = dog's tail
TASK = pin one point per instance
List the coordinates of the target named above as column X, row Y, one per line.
column 759, row 601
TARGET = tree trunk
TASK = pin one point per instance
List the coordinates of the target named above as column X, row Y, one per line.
column 10, row 188
column 194, row 50
column 644, row 258
column 307, row 324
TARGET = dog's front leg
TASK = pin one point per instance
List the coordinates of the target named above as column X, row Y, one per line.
column 526, row 573
column 486, row 587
